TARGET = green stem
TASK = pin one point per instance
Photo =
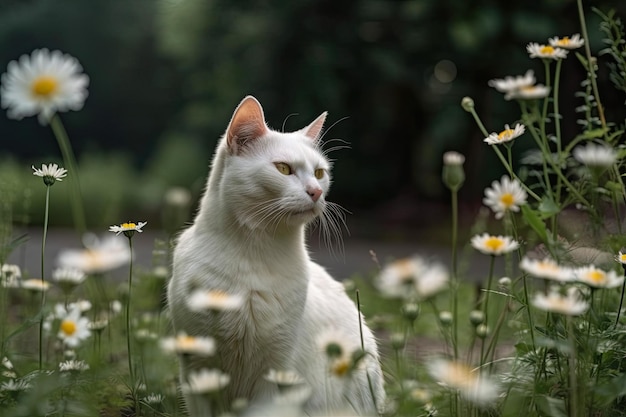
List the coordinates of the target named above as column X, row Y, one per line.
column 455, row 283
column 43, row 293
column 128, row 302
column 621, row 302
column 70, row 161
column 573, row 383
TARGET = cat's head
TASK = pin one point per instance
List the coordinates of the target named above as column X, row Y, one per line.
column 270, row 179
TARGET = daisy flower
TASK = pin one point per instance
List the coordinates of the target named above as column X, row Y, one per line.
column 36, row 285
column 153, row 399
column 42, row 84
column 453, row 174
column 494, row 245
column 216, row 300
column 598, row 278
column 73, row 328
column 569, row 304
column 339, row 350
column 127, row 228
column 453, row 158
column 283, row 379
column 528, row 93
column 410, row 277
column 503, row 196
column 15, row 385
column 545, row 51
column 204, row 381
column 99, row 256
column 509, row 83
column 621, row 256
column 68, row 278
column 506, row 135
column 566, row 42
column 470, row 383
column 547, row 268
column 50, row 173
column 594, row 155
column 10, row 275
column 190, row 345
column 73, row 366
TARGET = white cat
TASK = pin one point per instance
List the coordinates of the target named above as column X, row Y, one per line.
column 248, row 239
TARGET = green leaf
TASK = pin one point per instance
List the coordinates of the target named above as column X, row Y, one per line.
column 535, row 222
column 550, row 406
column 592, row 134
column 548, row 207
column 608, row 392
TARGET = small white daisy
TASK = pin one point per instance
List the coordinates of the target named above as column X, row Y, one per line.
column 506, row 135
column 569, row 304
column 566, row 42
column 621, row 257
column 471, row 384
column 283, row 378
column 99, row 255
column 547, row 268
column 339, row 349
column 7, row 363
column 153, row 399
column 73, row 366
column 10, row 275
column 71, row 276
column 73, row 328
column 127, row 228
column 42, row 84
column 216, row 300
column 598, row 278
column 35, row 284
column 412, row 277
column 494, row 245
column 505, row 195
column 204, row 381
column 545, row 51
column 15, row 385
column 509, row 83
column 50, row 173
column 530, row 92
column 595, row 155
column 189, row 345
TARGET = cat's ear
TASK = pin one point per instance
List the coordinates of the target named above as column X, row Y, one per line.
column 314, row 130
column 247, row 123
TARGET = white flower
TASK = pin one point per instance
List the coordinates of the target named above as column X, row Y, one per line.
column 73, row 366
column 283, row 378
column 506, row 135
column 10, row 275
column 545, row 51
column 73, row 328
column 503, row 196
column 470, row 383
column 621, row 257
column 570, row 304
column 339, row 349
column 127, row 227
column 453, row 158
column 509, row 84
column 595, row 155
column 201, row 300
column 494, row 245
column 43, row 83
column 50, row 173
column 566, row 42
column 35, row 284
column 598, row 278
column 528, row 93
column 73, row 276
column 99, row 256
column 547, row 268
column 153, row 399
column 205, row 380
column 7, row 363
column 412, row 277
column 192, row 345
column 15, row 385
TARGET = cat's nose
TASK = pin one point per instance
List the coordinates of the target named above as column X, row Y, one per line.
column 314, row 193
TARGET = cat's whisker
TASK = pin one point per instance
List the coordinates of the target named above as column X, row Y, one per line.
column 330, row 127
column 287, row 118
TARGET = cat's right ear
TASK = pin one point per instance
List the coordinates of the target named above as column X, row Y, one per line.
column 247, row 123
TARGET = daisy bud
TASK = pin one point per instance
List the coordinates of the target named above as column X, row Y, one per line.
column 397, row 341
column 453, row 174
column 467, row 103
column 445, row 317
column 504, row 283
column 482, row 330
column 476, row 317
column 410, row 311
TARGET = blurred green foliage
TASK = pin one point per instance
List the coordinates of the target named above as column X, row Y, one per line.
column 167, row 74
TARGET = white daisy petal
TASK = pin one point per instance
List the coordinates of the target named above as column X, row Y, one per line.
column 506, row 195
column 545, row 51
column 506, row 135
column 566, row 42
column 494, row 245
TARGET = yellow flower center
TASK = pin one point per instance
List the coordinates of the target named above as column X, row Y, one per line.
column 563, row 41
column 494, row 243
column 547, row 50
column 459, row 375
column 128, row 226
column 68, row 327
column 622, row 257
column 186, row 342
column 341, row 367
column 505, row 134
column 596, row 276
column 548, row 266
column 507, row 200
column 44, row 86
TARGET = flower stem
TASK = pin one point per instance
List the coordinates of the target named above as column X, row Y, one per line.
column 70, row 161
column 43, row 292
column 128, row 302
column 455, row 282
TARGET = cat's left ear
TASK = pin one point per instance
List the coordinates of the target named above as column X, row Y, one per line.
column 314, row 130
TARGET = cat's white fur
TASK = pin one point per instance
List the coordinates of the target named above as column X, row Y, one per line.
column 248, row 238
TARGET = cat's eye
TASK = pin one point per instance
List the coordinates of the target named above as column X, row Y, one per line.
column 319, row 173
column 283, row 168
